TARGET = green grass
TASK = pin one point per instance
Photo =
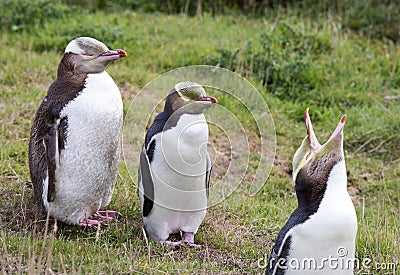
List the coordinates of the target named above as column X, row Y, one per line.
column 352, row 75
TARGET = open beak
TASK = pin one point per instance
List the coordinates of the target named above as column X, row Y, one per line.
column 208, row 100
column 339, row 127
column 314, row 144
column 113, row 54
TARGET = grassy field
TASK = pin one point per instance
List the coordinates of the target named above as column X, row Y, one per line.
column 294, row 62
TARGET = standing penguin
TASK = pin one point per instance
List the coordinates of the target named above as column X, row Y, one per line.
column 74, row 145
column 174, row 169
column 319, row 237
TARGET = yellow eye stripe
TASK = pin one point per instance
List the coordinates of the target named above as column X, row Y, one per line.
column 190, row 90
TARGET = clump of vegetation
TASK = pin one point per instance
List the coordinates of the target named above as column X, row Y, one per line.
column 373, row 18
column 280, row 60
column 48, row 41
column 187, row 7
column 377, row 19
column 25, row 14
column 306, row 69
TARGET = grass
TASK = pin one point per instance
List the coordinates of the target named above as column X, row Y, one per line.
column 354, row 75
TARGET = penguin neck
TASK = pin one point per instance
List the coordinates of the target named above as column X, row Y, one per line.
column 66, row 71
column 337, row 180
column 172, row 104
column 309, row 199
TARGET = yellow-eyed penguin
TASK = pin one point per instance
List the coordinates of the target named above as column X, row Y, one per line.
column 74, row 146
column 319, row 237
column 174, row 169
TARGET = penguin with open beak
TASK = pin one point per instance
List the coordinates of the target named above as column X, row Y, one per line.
column 319, row 237
column 174, row 171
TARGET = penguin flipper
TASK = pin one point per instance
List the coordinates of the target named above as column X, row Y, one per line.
column 208, row 174
column 51, row 141
column 277, row 262
column 38, row 152
column 147, row 182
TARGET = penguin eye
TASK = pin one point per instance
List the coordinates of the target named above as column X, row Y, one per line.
column 308, row 155
column 87, row 54
column 183, row 97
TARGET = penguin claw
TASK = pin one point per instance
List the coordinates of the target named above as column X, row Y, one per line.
column 107, row 214
column 187, row 239
column 89, row 223
column 103, row 216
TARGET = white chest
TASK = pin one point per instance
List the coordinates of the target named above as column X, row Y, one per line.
column 179, row 165
column 183, row 148
column 99, row 102
column 96, row 114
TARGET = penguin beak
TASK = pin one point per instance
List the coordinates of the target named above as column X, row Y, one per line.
column 314, row 144
column 339, row 128
column 207, row 100
column 113, row 54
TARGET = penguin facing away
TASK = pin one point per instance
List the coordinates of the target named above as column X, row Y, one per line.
column 174, row 170
column 74, row 143
column 319, row 237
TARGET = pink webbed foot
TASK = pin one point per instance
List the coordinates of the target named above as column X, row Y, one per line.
column 102, row 216
column 89, row 223
column 187, row 239
column 107, row 214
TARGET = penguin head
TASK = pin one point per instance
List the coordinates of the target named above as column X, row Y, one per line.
column 188, row 97
column 315, row 161
column 89, row 55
